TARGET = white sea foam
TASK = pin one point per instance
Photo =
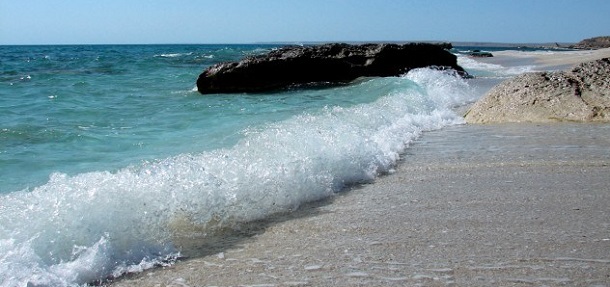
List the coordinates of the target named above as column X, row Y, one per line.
column 488, row 69
column 173, row 55
column 446, row 91
column 77, row 229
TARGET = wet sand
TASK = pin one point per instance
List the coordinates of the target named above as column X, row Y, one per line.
column 470, row 205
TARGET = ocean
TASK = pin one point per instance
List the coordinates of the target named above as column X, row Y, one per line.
column 109, row 157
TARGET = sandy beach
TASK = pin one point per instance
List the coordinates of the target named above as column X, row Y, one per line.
column 546, row 61
column 469, row 205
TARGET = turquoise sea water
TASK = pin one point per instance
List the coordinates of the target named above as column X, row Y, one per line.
column 108, row 153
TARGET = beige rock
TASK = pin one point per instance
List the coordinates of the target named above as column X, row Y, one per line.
column 581, row 95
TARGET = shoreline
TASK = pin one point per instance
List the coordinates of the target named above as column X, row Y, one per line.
column 469, row 205
column 548, row 61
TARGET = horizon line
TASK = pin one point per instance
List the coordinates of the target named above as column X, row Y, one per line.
column 477, row 43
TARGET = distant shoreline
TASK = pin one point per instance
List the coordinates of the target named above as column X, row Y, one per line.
column 551, row 61
column 477, row 44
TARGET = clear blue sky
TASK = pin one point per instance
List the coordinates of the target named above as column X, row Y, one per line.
column 249, row 21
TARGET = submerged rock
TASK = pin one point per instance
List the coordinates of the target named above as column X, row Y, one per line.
column 480, row 54
column 581, row 95
column 329, row 63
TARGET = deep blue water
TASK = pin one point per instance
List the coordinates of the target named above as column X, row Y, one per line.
column 107, row 152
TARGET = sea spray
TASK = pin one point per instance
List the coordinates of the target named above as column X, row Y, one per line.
column 484, row 69
column 94, row 225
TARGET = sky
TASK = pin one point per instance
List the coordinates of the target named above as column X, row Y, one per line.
column 256, row 21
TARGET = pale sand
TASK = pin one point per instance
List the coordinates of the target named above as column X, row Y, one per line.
column 503, row 205
column 553, row 60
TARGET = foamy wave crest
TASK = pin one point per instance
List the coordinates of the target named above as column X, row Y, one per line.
column 92, row 226
column 444, row 88
column 479, row 68
column 173, row 55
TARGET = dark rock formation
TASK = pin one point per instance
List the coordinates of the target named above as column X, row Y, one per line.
column 480, row 54
column 330, row 63
column 581, row 95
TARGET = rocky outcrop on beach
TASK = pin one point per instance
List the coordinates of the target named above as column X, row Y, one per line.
column 593, row 43
column 579, row 95
column 329, row 63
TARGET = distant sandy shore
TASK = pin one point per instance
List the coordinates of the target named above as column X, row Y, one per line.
column 470, row 205
column 556, row 60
